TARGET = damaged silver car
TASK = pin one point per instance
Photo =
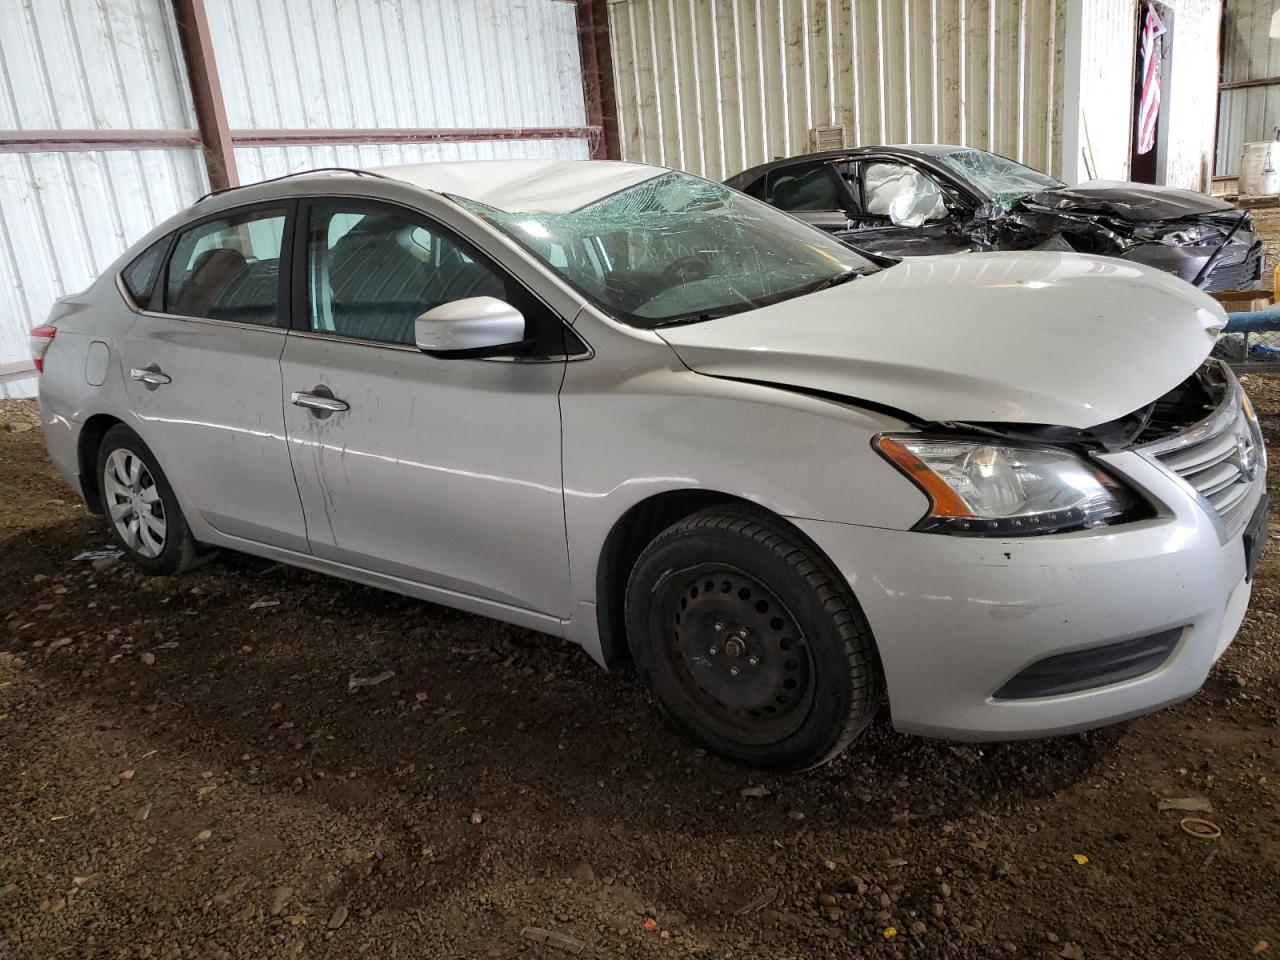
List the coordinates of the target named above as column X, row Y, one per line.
column 642, row 412
column 902, row 201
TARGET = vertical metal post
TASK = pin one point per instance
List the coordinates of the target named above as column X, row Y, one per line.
column 597, row 76
column 206, row 93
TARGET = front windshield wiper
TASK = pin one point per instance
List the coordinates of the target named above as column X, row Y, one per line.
column 835, row 281
column 703, row 315
column 693, row 318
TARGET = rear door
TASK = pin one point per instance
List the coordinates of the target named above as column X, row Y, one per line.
column 445, row 472
column 202, row 369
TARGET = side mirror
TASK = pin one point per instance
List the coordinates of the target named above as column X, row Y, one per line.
column 474, row 327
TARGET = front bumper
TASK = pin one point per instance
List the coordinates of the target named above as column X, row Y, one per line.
column 956, row 618
column 1239, row 267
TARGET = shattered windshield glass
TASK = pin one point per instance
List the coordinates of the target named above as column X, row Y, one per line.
column 1004, row 180
column 676, row 248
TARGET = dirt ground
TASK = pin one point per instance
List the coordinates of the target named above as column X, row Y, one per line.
column 184, row 772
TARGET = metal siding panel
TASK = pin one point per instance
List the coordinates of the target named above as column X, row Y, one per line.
column 81, row 64
column 262, row 163
column 755, row 107
column 84, row 64
column 1249, row 53
column 321, row 64
column 757, row 75
column 64, row 217
column 893, row 45
column 316, row 64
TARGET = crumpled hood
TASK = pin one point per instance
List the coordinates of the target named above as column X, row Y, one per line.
column 1135, row 202
column 1034, row 338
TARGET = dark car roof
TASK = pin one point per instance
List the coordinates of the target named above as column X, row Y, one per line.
column 922, row 151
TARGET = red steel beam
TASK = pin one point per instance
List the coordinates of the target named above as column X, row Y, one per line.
column 353, row 135
column 597, row 77
column 206, row 93
column 42, row 141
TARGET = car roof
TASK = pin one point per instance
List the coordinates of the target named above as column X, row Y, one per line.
column 525, row 186
column 512, row 186
column 901, row 149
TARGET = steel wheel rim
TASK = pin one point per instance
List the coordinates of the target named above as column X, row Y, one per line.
column 738, row 658
column 133, row 503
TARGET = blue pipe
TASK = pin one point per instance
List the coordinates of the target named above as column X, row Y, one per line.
column 1253, row 321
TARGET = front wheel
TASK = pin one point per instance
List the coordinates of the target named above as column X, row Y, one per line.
column 750, row 640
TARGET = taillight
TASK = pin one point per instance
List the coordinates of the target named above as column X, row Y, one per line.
column 41, row 337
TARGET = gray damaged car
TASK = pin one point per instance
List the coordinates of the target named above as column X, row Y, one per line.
column 902, row 201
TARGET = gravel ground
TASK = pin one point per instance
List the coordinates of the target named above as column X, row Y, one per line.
column 187, row 773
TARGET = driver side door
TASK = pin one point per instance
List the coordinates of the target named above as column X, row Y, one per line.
column 444, row 472
column 902, row 210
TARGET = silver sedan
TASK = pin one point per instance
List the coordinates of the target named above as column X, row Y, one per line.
column 645, row 412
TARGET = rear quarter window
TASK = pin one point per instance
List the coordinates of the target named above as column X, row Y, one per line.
column 140, row 276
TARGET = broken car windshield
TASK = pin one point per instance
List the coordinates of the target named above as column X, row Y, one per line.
column 676, row 248
column 1000, row 178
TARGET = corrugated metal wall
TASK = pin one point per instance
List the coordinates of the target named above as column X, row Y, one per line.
column 313, row 64
column 317, row 64
column 83, row 65
column 1248, row 53
column 713, row 86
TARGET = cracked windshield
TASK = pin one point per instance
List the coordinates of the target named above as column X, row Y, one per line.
column 1005, row 180
column 678, row 249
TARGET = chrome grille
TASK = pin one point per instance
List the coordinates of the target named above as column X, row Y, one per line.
column 1240, row 275
column 1221, row 457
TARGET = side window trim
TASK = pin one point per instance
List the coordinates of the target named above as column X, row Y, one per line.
column 851, row 202
column 155, row 299
column 156, row 304
column 123, row 285
column 300, row 295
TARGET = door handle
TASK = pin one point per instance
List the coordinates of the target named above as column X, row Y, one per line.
column 319, row 402
column 151, row 376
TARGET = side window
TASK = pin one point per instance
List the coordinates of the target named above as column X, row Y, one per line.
column 140, row 276
column 756, row 188
column 902, row 193
column 371, row 272
column 228, row 269
column 803, row 188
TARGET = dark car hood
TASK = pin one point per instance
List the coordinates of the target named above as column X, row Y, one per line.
column 1135, row 202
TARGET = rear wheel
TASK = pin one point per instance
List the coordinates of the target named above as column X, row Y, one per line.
column 751, row 641
column 140, row 507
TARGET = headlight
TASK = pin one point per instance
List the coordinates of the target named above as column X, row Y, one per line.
column 993, row 489
column 1255, row 430
column 1186, row 235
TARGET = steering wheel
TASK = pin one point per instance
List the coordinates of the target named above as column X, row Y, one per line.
column 686, row 269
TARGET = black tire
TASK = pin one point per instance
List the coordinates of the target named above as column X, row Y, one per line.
column 808, row 678
column 180, row 552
